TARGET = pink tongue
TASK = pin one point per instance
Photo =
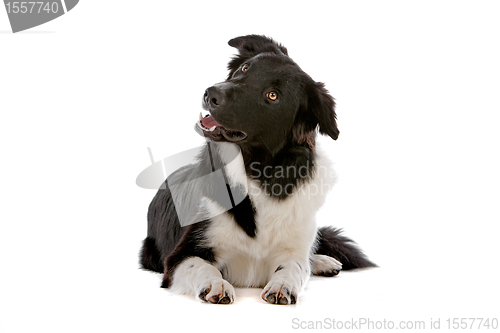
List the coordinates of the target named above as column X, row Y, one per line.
column 209, row 122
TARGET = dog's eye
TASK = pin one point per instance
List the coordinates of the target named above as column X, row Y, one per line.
column 272, row 95
column 244, row 68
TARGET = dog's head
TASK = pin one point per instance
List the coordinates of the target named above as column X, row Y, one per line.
column 267, row 100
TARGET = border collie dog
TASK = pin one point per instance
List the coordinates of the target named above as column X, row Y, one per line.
column 244, row 214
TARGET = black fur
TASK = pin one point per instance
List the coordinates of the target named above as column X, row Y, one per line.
column 345, row 250
column 150, row 256
column 164, row 231
column 281, row 135
column 250, row 46
column 244, row 215
column 282, row 173
column 188, row 246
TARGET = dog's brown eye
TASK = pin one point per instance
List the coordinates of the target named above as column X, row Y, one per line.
column 244, row 68
column 272, row 96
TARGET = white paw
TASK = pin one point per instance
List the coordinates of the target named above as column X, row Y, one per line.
column 217, row 291
column 278, row 291
column 325, row 265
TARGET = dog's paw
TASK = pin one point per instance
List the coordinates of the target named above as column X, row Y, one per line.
column 279, row 292
column 325, row 265
column 217, row 292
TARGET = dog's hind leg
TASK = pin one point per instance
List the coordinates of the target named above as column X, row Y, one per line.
column 344, row 250
column 325, row 265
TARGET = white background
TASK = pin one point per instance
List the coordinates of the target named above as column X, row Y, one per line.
column 82, row 97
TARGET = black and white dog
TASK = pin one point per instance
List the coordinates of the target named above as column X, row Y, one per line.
column 244, row 215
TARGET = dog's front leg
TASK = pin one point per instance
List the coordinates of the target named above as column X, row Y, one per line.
column 286, row 282
column 198, row 277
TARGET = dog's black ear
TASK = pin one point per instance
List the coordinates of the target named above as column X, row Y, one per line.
column 251, row 45
column 255, row 44
column 322, row 106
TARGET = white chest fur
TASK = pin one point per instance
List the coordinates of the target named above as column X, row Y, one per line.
column 285, row 228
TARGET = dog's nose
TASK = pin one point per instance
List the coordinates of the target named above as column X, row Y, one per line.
column 215, row 96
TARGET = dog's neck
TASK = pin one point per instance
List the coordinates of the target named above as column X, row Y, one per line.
column 283, row 171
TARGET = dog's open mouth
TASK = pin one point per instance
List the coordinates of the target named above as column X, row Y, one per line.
column 211, row 129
